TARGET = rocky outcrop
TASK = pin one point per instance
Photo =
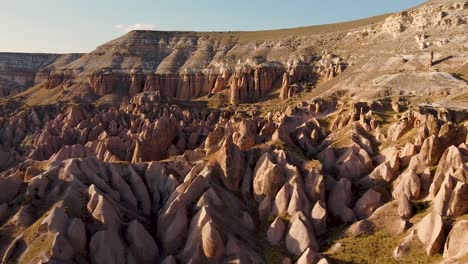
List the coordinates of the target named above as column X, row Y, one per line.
column 449, row 187
column 218, row 163
column 213, row 245
column 340, row 201
column 156, row 140
column 21, row 71
column 300, row 236
column 136, row 155
column 104, row 81
column 319, row 218
column 287, row 89
column 456, row 244
column 408, row 185
column 285, row 86
column 435, row 15
column 404, row 207
column 268, row 177
column 142, row 244
column 367, row 204
column 429, row 232
column 276, row 231
column 231, row 161
column 354, row 162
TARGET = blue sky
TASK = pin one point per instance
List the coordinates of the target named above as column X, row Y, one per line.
column 81, row 25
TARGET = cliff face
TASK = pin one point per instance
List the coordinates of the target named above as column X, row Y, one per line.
column 19, row 71
column 250, row 65
column 190, row 65
column 187, row 65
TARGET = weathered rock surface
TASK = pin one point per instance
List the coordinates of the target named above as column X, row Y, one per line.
column 429, row 232
column 456, row 244
column 340, row 201
column 300, row 235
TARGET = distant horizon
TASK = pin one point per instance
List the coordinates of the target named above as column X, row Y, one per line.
column 52, row 26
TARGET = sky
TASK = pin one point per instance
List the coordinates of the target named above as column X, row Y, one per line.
column 64, row 26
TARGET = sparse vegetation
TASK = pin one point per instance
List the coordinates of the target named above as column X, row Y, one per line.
column 420, row 207
column 376, row 248
column 37, row 244
column 28, row 141
column 272, row 254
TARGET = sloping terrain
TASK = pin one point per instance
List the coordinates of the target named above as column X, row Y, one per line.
column 342, row 143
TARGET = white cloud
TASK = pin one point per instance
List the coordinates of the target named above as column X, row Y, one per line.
column 128, row 28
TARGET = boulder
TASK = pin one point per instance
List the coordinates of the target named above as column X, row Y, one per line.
column 284, row 90
column 314, row 184
column 169, row 260
column 404, row 207
column 37, row 186
column 214, row 137
column 327, row 157
column 106, row 247
column 55, row 222
column 102, row 209
column 4, row 210
column 212, row 242
column 298, row 200
column 408, row 184
column 386, row 217
column 156, row 138
column 456, row 245
column 9, row 188
column 75, row 115
column 172, row 228
column 319, row 218
column 361, row 228
column 231, row 160
column 340, row 200
column 429, row 231
column 264, row 208
column 428, row 155
column 142, row 245
column 300, row 235
column 408, row 151
column 282, row 199
column 388, row 170
column 69, row 152
column 397, row 130
column 61, row 248
column 268, row 177
column 247, row 134
column 276, row 231
column 24, row 217
column 354, row 163
column 76, row 234
column 308, row 257
column 367, row 204
column 451, row 160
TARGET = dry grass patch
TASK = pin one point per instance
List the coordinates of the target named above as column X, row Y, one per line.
column 37, row 244
column 376, row 248
column 272, row 254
